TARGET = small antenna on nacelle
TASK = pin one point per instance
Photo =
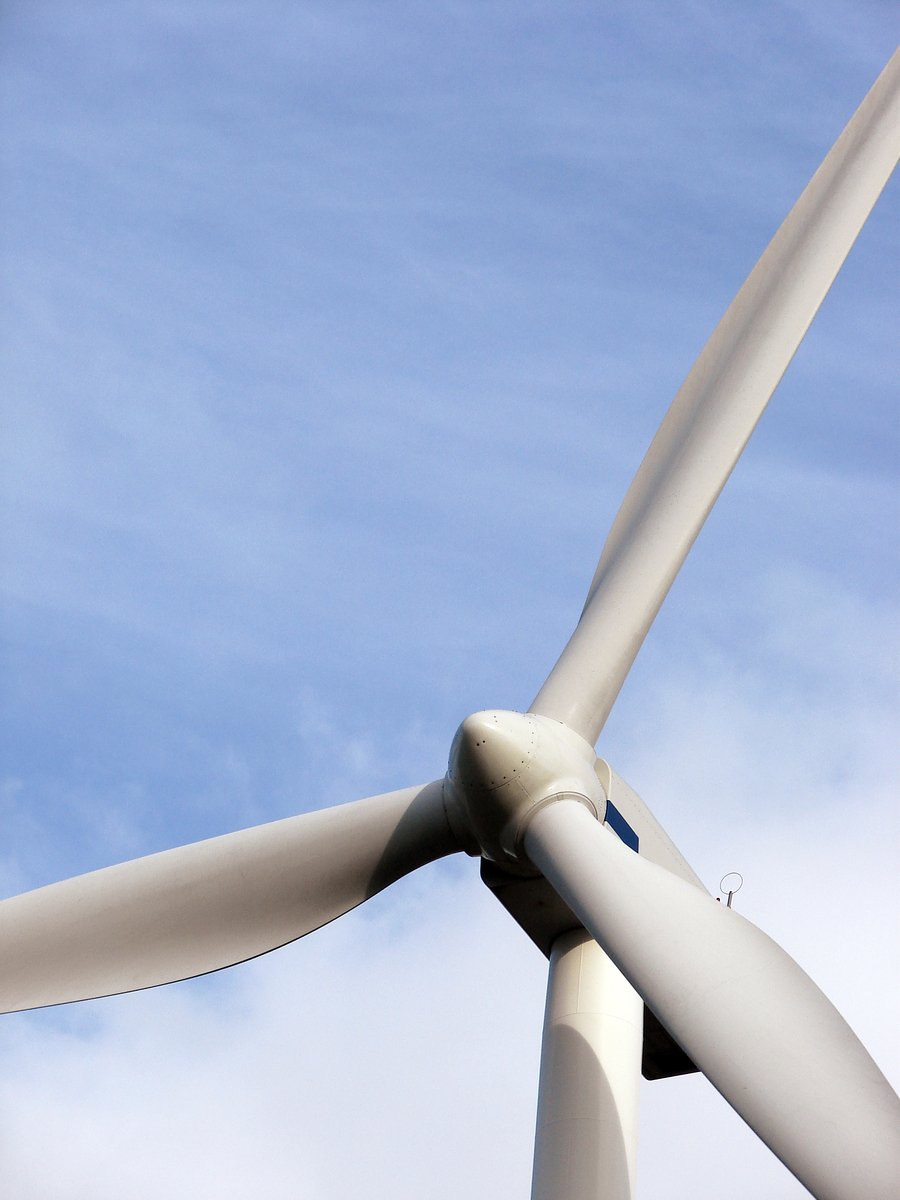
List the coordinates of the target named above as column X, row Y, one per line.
column 729, row 884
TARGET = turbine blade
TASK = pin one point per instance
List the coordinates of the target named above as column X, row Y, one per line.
column 741, row 1008
column 715, row 412
column 201, row 907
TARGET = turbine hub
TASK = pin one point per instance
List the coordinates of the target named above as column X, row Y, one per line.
column 504, row 766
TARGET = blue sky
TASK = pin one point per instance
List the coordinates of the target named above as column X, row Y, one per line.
column 333, row 336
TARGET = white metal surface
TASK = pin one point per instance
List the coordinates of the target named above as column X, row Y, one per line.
column 502, row 763
column 655, row 843
column 211, row 904
column 749, row 1017
column 587, row 1119
column 716, row 410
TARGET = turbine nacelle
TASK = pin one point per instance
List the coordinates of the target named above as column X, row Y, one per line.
column 503, row 767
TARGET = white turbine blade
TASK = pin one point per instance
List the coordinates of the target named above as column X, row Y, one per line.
column 192, row 910
column 748, row 1016
column 716, row 410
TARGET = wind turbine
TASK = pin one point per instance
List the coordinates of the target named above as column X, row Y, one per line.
column 645, row 965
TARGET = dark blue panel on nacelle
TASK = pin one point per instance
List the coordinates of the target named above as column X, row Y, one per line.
column 619, row 825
